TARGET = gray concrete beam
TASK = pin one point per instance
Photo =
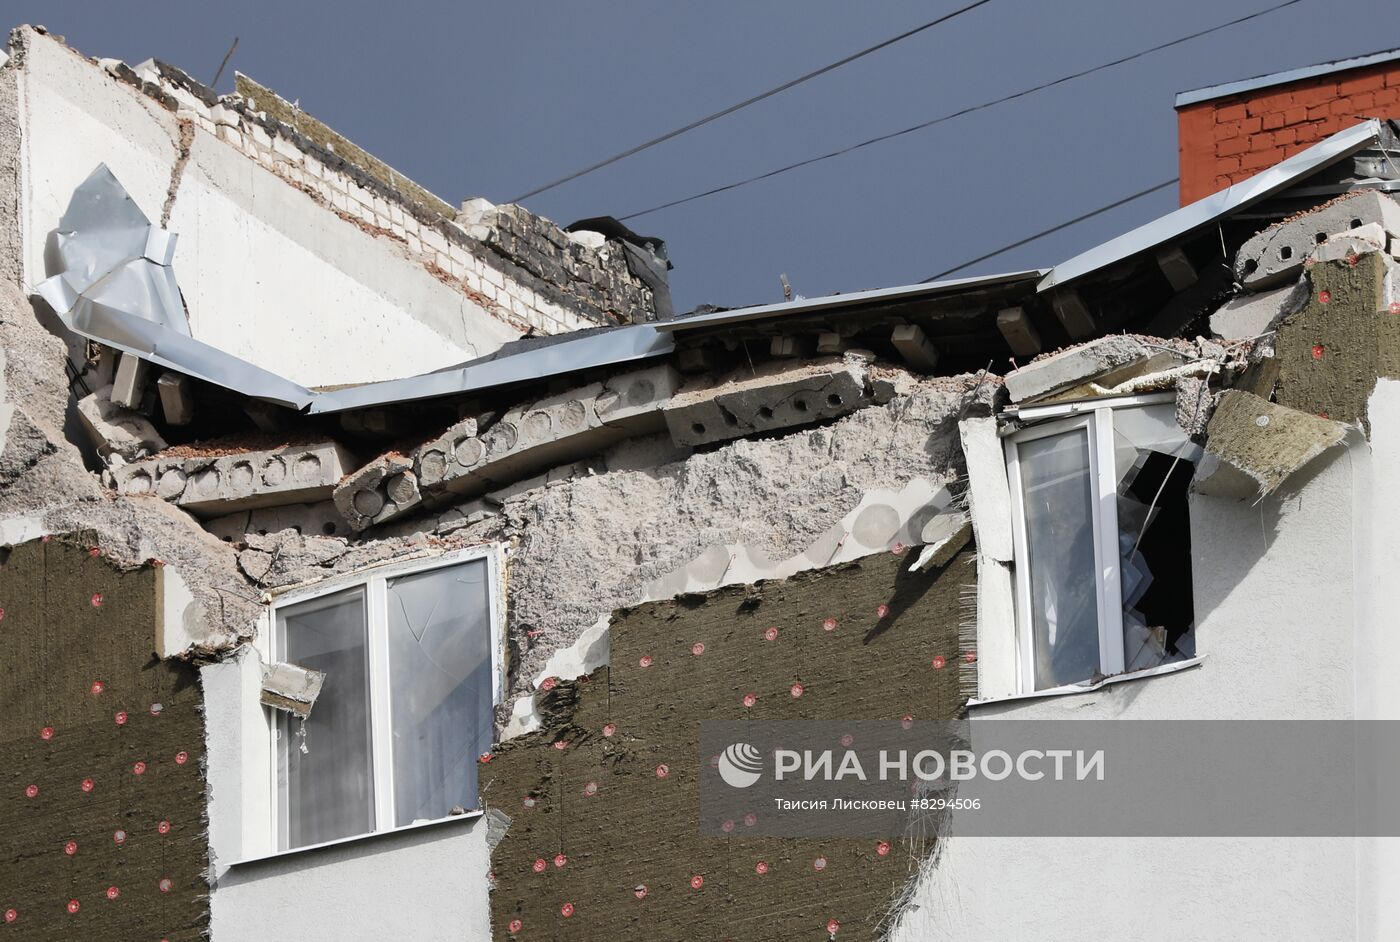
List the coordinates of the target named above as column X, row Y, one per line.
column 1074, row 366
column 1018, row 331
column 918, row 351
column 217, row 486
column 1277, row 254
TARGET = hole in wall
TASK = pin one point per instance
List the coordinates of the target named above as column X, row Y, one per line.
column 328, row 528
column 1320, row 238
column 765, row 412
column 1356, row 223
column 1285, row 252
column 698, row 428
column 833, row 400
column 1250, row 265
column 800, row 405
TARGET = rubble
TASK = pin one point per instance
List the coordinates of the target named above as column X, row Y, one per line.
column 1101, row 360
column 115, row 430
column 1277, row 254
column 290, row 688
column 205, row 486
column 384, row 488
column 770, row 398
column 1252, row 315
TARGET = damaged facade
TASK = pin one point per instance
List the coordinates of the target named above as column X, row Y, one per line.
column 404, row 570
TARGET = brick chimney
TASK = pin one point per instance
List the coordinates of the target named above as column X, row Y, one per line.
column 1228, row 133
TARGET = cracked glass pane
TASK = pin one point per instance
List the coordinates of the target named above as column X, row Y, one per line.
column 1059, row 512
column 1154, row 463
column 441, row 684
column 325, row 780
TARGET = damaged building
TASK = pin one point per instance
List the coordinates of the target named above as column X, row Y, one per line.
column 369, row 562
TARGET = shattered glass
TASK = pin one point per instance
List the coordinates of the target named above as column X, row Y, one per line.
column 325, row 778
column 441, row 682
column 1153, row 459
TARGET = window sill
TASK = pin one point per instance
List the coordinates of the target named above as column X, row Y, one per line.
column 356, row 839
column 1070, row 689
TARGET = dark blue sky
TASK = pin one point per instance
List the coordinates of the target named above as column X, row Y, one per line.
column 492, row 99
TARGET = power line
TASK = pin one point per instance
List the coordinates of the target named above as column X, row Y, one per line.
column 748, row 101
column 1053, row 229
column 959, row 113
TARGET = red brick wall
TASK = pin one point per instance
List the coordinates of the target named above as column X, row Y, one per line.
column 1226, row 140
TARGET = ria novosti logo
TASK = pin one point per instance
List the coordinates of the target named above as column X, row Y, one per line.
column 740, row 765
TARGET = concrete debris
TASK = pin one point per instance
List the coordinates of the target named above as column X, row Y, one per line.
column 1277, row 254
column 1252, row 315
column 129, row 385
column 290, row 688
column 1195, row 404
column 1102, row 360
column 1158, row 380
column 115, row 430
column 207, row 487
column 776, row 396
column 176, row 398
column 1342, row 246
column 319, row 519
column 384, row 488
column 1253, row 446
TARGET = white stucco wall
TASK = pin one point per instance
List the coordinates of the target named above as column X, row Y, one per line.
column 1279, row 598
column 268, row 274
column 423, row 883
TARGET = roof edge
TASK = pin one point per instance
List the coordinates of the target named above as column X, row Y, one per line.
column 1211, row 92
column 1203, row 212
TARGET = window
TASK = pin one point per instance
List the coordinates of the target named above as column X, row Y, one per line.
column 1102, row 539
column 406, row 706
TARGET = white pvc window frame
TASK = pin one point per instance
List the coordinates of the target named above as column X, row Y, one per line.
column 1096, row 418
column 375, row 582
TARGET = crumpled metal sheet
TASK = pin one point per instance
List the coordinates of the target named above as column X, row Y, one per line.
column 105, row 254
column 113, row 283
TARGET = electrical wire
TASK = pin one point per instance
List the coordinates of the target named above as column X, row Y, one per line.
column 959, row 113
column 1053, row 229
column 701, row 122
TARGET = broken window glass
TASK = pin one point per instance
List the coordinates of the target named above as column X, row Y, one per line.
column 1120, row 475
column 441, row 687
column 1057, row 500
column 325, row 781
column 1155, row 465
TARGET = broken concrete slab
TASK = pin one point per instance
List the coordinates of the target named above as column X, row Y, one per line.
column 291, row 688
column 1253, row 446
column 549, row 433
column 1345, row 246
column 382, row 489
column 316, row 519
column 989, row 493
column 215, row 486
column 775, row 396
column 1098, row 360
column 1277, row 254
column 115, row 430
column 1251, row 315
